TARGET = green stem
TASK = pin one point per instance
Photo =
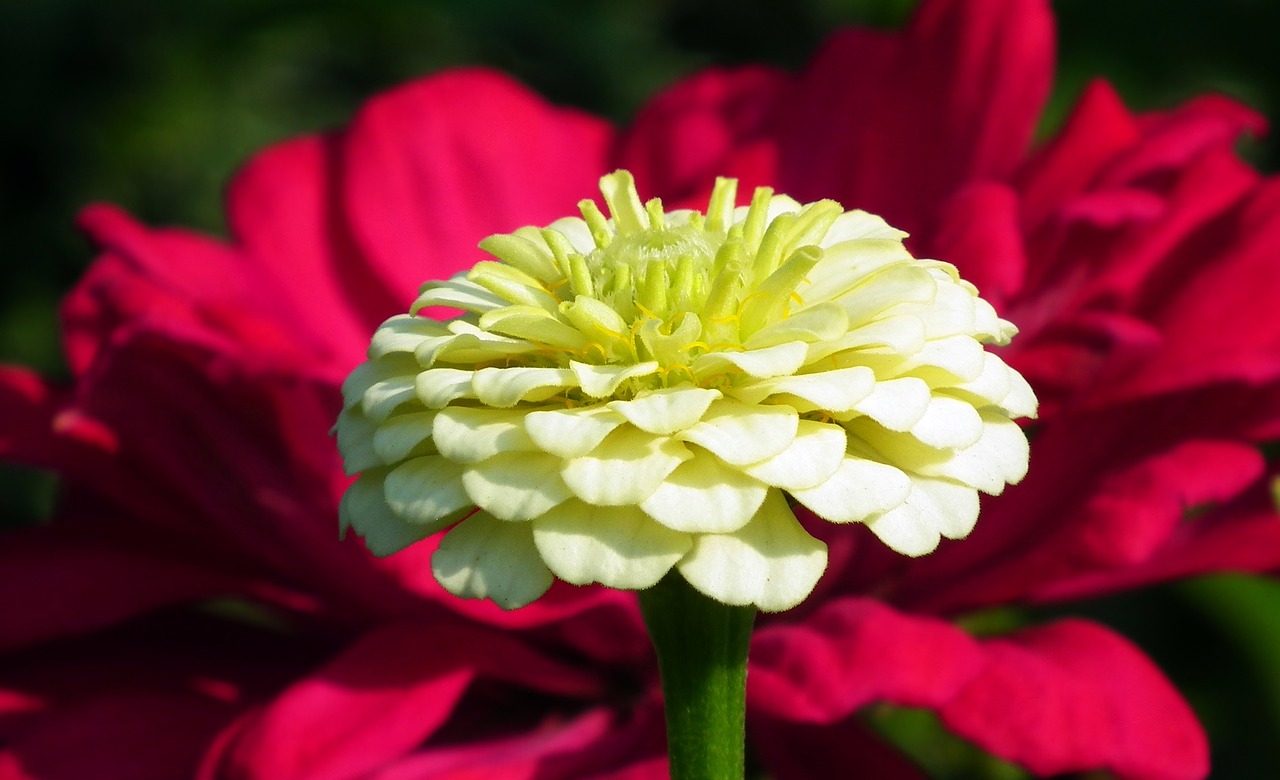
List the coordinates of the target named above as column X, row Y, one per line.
column 702, row 653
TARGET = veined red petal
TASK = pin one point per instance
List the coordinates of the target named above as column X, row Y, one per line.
column 431, row 168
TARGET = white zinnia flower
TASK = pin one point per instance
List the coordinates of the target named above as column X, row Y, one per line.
column 621, row 396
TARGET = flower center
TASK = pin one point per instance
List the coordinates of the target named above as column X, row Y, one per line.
column 662, row 271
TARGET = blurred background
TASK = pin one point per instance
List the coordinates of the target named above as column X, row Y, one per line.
column 153, row 105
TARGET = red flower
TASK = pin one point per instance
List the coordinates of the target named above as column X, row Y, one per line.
column 190, row 609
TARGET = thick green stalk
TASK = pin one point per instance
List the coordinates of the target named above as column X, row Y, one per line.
column 702, row 653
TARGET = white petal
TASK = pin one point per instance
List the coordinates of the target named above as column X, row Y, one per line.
column 365, row 375
column 364, row 510
column 744, row 433
column 960, row 357
column 505, row 387
column 933, row 509
column 426, row 489
column 892, row 286
column 603, row 381
column 403, row 435
column 856, row 224
column 1021, row 400
column 811, row 458
column 998, row 457
column 897, row 404
column 948, row 423
column 903, row 334
column 576, row 230
column 532, row 323
column 779, row 360
column 469, row 435
column 703, row 495
column 846, row 265
column 485, row 558
column 627, row 466
column 468, row 345
column 438, row 387
column 571, row 433
column 457, row 293
column 950, row 313
column 832, row 391
column 512, row 285
column 811, row 325
column 355, row 441
column 526, row 250
column 858, row 489
column 620, row 547
column 404, row 333
column 393, row 386
column 771, row 562
column 990, row 387
column 516, row 485
column 987, row 325
column 667, row 411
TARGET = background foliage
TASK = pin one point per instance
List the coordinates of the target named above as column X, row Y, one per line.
column 153, row 105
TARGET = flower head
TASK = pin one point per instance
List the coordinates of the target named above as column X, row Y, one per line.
column 1110, row 245
column 624, row 396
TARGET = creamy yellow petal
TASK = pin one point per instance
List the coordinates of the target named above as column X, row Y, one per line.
column 604, row 381
column 485, row 558
column 948, row 423
column 625, row 469
column 364, row 510
column 516, row 485
column 504, row 387
column 771, row 562
column 355, row 442
column 571, row 433
column 934, row 508
column 668, row 410
column 742, row 433
column 620, row 547
column 469, row 435
column 779, row 360
column 703, row 495
column 404, row 333
column 832, row 391
column 858, row 489
column 438, row 387
column 811, row 459
column 426, row 489
column 402, row 435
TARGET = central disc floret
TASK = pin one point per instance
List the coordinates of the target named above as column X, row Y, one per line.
column 625, row 395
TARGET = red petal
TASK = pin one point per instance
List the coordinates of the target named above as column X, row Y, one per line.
column 1066, row 697
column 381, row 698
column 127, row 736
column 179, row 283
column 27, row 407
column 852, row 652
column 979, row 233
column 954, row 99
column 1219, row 323
column 52, row 585
column 431, row 168
column 794, row 751
column 1072, row 696
column 284, row 210
column 1108, row 492
column 597, row 745
column 715, row 123
column 1099, row 127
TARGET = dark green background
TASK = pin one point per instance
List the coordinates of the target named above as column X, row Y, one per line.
column 153, row 104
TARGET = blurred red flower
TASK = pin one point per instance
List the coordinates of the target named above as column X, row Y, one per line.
column 189, row 610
